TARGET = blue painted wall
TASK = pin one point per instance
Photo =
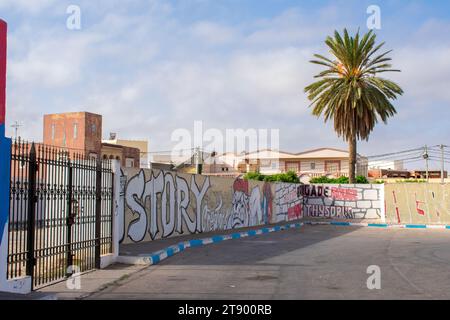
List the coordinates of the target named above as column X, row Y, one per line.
column 5, row 164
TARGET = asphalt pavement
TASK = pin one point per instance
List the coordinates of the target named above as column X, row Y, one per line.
column 313, row 262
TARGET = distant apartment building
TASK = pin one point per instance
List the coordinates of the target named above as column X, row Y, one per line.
column 406, row 174
column 212, row 164
column 388, row 173
column 432, row 174
column 83, row 131
column 396, row 165
column 142, row 145
column 226, row 164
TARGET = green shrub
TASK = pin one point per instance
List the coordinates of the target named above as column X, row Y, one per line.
column 254, row 176
column 320, row 180
column 289, row 177
column 340, row 180
column 362, row 180
column 411, row 181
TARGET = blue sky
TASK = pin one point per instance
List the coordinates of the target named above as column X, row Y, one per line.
column 152, row 66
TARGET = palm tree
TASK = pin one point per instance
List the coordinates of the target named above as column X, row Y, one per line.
column 350, row 92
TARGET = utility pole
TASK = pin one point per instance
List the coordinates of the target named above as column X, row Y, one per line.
column 198, row 161
column 426, row 157
column 442, row 164
column 16, row 127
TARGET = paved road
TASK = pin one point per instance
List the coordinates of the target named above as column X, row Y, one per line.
column 315, row 262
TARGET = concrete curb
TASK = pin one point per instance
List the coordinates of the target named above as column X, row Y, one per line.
column 157, row 257
column 378, row 225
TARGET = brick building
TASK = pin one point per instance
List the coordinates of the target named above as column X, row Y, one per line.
column 83, row 131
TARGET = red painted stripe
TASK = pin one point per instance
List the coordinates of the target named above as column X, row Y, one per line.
column 398, row 215
column 3, row 44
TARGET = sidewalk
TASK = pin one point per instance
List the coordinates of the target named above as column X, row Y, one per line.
column 91, row 282
column 30, row 296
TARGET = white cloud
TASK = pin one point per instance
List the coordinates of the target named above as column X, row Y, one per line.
column 425, row 72
column 213, row 33
column 51, row 62
column 30, row 6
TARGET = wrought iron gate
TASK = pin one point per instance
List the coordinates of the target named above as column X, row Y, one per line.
column 60, row 220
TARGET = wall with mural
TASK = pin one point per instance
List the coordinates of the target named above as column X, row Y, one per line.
column 155, row 204
column 159, row 204
column 288, row 204
column 343, row 201
column 417, row 203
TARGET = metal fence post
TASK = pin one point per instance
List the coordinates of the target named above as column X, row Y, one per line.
column 32, row 199
column 70, row 218
column 98, row 213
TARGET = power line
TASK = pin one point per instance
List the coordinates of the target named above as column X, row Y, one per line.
column 395, row 153
column 439, row 160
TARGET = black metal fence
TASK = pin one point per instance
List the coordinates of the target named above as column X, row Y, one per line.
column 61, row 206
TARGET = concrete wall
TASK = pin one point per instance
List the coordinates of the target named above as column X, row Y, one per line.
column 159, row 204
column 344, row 201
column 417, row 203
column 162, row 204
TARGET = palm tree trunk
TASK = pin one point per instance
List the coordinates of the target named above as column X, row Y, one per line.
column 352, row 159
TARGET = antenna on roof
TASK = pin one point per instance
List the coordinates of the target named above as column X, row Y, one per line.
column 16, row 127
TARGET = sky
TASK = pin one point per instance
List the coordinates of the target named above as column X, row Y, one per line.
column 153, row 66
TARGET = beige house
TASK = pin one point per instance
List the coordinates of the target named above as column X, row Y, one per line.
column 222, row 165
column 142, row 145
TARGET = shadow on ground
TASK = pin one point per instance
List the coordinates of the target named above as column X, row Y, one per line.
column 267, row 245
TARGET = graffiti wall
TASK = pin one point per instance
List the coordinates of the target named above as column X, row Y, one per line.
column 347, row 201
column 288, row 202
column 417, row 203
column 155, row 204
column 160, row 204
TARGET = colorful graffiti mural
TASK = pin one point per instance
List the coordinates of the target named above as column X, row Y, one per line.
column 159, row 204
column 343, row 201
column 288, row 202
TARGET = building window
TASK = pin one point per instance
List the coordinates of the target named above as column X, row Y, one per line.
column 332, row 166
column 53, row 131
column 313, row 166
column 265, row 163
column 64, row 139
column 93, row 128
column 75, row 130
column 292, row 166
column 129, row 163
